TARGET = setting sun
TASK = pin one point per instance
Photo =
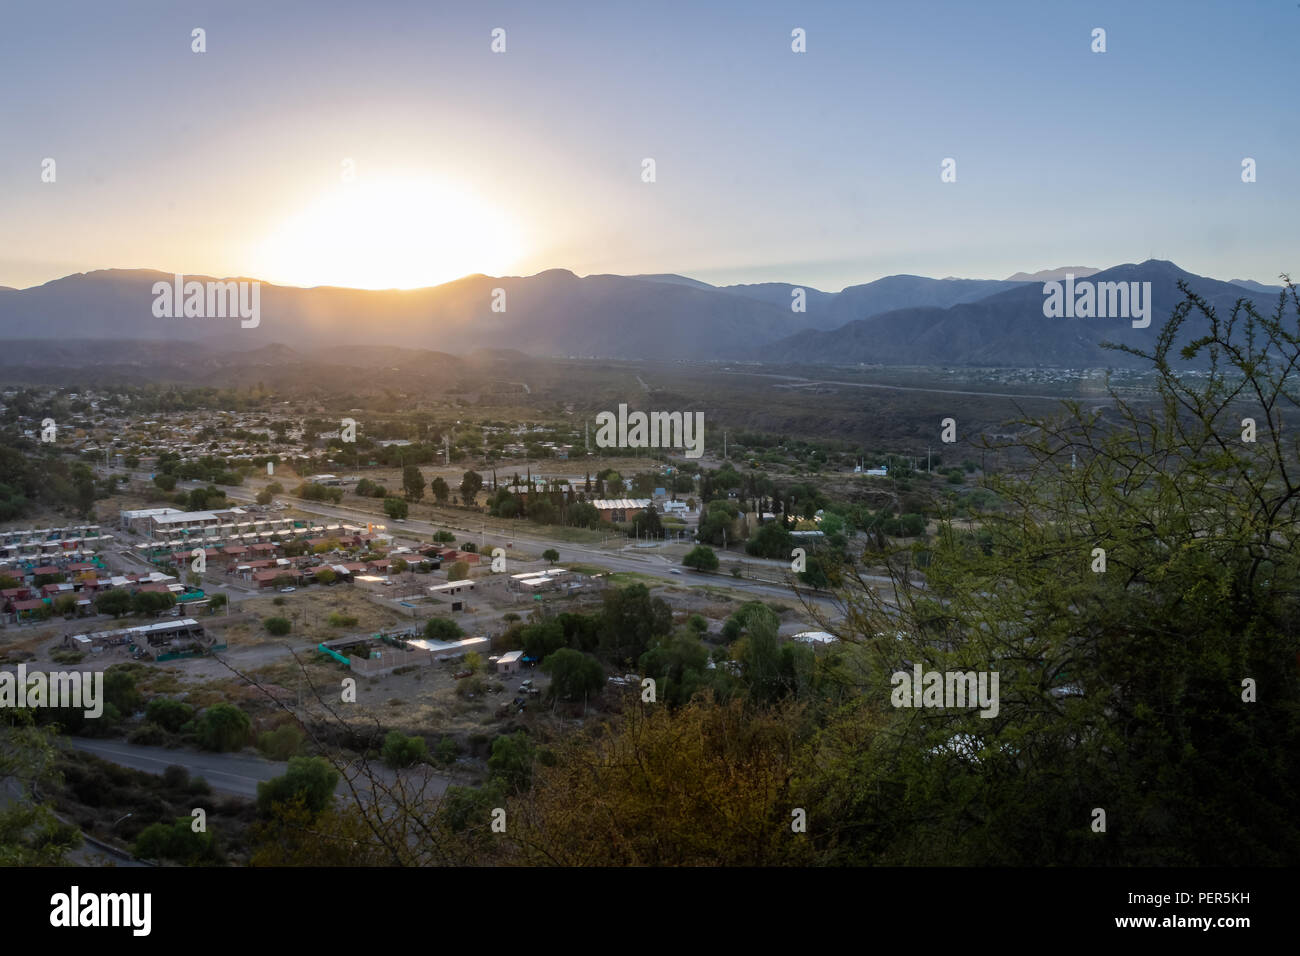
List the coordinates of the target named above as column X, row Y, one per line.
column 391, row 234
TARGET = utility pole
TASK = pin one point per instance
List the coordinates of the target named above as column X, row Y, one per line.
column 927, row 459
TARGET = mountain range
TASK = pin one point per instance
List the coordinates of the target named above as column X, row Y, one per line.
column 900, row 319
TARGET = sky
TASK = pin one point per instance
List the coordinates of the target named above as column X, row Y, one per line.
column 385, row 144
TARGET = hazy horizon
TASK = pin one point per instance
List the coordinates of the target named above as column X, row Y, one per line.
column 1087, row 270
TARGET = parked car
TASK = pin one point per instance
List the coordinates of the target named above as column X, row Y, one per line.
column 287, row 590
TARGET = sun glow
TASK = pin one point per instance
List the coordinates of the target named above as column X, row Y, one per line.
column 391, row 234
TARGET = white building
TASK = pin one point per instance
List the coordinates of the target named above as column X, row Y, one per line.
column 509, row 663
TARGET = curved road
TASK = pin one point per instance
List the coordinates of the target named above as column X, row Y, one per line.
column 232, row 773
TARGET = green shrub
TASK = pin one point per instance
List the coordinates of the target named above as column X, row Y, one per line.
column 176, row 777
column 147, row 735
column 442, row 629
column 401, row 751
column 223, row 727
column 177, row 842
column 447, row 750
column 702, row 558
column 471, row 685
column 119, row 689
column 169, row 713
column 282, row 743
column 311, row 779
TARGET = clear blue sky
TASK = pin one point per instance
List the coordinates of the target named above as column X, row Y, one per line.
column 820, row 168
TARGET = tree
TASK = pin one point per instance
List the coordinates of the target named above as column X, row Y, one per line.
column 473, row 662
column 396, row 508
column 169, row 713
column 310, row 779
column 412, row 483
column 201, row 499
column 282, row 743
column 717, row 521
column 165, row 482
column 402, row 751
column 701, row 558
column 264, row 497
column 442, row 629
column 511, row 760
column 444, row 537
column 574, row 674
column 223, row 727
column 550, row 556
column 703, row 785
column 277, row 626
column 458, row 571
column 440, row 490
column 582, row 515
column 646, row 523
column 326, row 576
column 120, row 689
column 152, row 603
column 820, row 571
column 176, row 841
column 30, row 834
column 630, row 620
column 543, row 638
column 470, row 486
column 217, row 601
column 116, row 601
column 764, row 666
column 679, row 664
column 771, row 541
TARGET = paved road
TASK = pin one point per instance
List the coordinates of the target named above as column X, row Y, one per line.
column 238, row 774
column 804, row 382
column 233, row 773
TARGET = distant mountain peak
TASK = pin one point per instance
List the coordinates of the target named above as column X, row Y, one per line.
column 1049, row 275
column 1252, row 285
column 672, row 279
